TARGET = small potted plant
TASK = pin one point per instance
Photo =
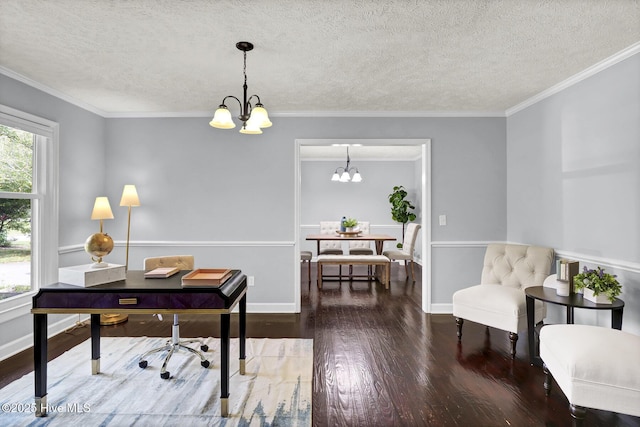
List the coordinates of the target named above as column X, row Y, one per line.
column 350, row 225
column 598, row 286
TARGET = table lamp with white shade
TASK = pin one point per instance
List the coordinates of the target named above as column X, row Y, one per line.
column 100, row 244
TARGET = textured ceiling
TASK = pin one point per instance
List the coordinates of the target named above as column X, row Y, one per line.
column 154, row 56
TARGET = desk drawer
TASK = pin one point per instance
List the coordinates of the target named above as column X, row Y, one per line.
column 130, row 300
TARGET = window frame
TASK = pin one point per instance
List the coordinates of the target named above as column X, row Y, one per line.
column 44, row 197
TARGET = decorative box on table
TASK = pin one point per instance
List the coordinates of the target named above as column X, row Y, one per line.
column 84, row 275
column 565, row 271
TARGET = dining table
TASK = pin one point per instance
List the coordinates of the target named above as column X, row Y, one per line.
column 379, row 239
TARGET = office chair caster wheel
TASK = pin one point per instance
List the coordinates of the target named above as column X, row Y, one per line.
column 205, row 363
column 204, row 347
column 164, row 375
column 142, row 364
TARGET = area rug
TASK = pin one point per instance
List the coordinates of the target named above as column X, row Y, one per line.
column 275, row 391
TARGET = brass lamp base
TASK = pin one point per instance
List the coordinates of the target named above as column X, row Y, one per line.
column 112, row 319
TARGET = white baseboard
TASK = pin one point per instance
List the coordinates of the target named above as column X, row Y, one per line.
column 441, row 308
column 21, row 344
column 271, row 308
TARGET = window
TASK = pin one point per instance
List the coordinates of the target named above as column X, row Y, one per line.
column 28, row 204
column 16, row 177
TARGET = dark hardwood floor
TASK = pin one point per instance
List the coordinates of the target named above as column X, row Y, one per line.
column 380, row 361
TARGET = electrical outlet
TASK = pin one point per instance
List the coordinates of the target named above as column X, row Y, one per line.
column 250, row 281
column 443, row 219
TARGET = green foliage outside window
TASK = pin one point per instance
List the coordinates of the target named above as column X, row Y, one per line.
column 16, row 171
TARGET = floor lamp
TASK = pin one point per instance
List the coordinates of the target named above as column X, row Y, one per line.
column 129, row 199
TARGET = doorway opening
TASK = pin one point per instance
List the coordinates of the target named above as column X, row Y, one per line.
column 315, row 158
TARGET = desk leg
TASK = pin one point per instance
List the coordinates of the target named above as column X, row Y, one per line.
column 569, row 315
column 531, row 325
column 95, row 344
column 225, row 326
column 616, row 318
column 40, row 363
column 243, row 333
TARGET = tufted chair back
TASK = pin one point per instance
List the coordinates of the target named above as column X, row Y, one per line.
column 516, row 266
column 361, row 244
column 410, row 236
column 330, row 227
column 183, row 262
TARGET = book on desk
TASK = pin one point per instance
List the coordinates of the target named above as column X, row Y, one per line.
column 161, row 272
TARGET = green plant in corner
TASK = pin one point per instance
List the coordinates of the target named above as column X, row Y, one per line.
column 599, row 282
column 400, row 208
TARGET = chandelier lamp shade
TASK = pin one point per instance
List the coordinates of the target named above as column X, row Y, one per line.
column 254, row 118
column 343, row 174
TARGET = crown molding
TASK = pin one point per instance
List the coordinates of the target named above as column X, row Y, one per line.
column 594, row 69
column 390, row 114
column 51, row 91
column 159, row 114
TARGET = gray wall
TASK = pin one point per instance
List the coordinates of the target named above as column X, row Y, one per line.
column 574, row 178
column 229, row 198
column 199, row 184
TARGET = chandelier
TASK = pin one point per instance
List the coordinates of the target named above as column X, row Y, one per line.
column 253, row 117
column 346, row 171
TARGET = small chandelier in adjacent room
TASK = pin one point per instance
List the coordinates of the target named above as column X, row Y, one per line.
column 343, row 174
column 253, row 117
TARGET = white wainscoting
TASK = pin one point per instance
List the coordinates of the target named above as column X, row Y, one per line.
column 618, row 266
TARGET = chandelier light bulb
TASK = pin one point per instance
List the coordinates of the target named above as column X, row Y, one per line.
column 250, row 128
column 222, row 118
column 261, row 117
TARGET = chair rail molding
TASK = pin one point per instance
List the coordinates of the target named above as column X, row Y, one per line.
column 186, row 243
column 632, row 267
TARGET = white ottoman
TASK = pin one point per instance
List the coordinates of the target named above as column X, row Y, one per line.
column 595, row 367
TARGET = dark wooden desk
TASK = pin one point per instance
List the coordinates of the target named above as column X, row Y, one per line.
column 572, row 301
column 138, row 295
column 378, row 238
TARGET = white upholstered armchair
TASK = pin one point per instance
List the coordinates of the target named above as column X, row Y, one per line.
column 499, row 301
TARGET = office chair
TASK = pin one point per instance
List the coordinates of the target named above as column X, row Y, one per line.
column 183, row 262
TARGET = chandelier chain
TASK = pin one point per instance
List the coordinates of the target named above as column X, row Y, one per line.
column 244, row 69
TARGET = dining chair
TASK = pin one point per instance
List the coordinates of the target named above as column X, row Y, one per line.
column 330, row 247
column 305, row 257
column 406, row 252
column 183, row 262
column 361, row 247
